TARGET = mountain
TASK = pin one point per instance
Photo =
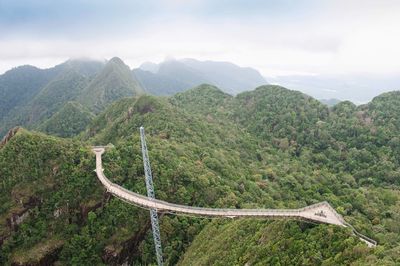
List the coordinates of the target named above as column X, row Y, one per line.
column 66, row 85
column 93, row 84
column 273, row 112
column 42, row 198
column 270, row 147
column 227, row 76
column 86, row 67
column 204, row 99
column 267, row 148
column 149, row 66
column 173, row 76
column 69, row 121
column 115, row 81
column 19, row 85
column 159, row 85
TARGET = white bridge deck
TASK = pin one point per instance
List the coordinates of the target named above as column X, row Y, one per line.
column 320, row 212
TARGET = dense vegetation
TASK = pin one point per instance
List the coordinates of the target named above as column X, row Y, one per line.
column 69, row 121
column 114, row 82
column 267, row 148
column 255, row 242
column 32, row 96
column 19, row 85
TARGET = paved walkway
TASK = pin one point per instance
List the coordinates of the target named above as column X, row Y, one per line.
column 320, row 212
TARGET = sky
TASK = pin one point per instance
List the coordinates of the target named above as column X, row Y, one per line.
column 277, row 37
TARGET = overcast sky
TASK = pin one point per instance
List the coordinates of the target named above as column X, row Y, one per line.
column 276, row 37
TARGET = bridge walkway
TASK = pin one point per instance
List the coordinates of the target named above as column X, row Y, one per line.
column 320, row 213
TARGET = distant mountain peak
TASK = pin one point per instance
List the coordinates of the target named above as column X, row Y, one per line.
column 84, row 66
column 115, row 81
column 116, row 60
column 19, row 69
column 149, row 66
column 116, row 64
column 174, row 75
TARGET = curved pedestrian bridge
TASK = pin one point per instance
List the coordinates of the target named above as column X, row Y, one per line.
column 319, row 213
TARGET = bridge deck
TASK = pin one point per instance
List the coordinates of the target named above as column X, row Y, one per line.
column 320, row 212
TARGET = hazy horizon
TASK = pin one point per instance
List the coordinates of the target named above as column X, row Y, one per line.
column 276, row 37
column 281, row 39
column 359, row 89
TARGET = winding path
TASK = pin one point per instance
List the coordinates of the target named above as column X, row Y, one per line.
column 320, row 212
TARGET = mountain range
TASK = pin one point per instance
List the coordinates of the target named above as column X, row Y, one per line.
column 268, row 147
column 172, row 76
column 31, row 96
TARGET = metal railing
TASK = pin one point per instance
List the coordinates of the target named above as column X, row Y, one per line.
column 305, row 213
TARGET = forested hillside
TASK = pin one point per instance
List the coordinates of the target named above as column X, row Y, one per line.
column 267, row 148
column 19, row 85
column 69, row 121
column 30, row 96
column 33, row 96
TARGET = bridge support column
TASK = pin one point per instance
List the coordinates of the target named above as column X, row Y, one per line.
column 150, row 193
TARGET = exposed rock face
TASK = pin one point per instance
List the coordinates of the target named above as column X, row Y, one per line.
column 3, row 238
column 129, row 250
column 11, row 133
column 57, row 212
column 17, row 218
column 48, row 259
column 85, row 209
column 32, row 202
column 130, row 113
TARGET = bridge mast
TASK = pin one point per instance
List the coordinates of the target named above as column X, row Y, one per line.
column 150, row 193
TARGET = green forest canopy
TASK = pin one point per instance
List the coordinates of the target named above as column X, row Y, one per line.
column 267, row 148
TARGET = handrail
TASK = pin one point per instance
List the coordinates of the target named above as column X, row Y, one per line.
column 306, row 213
column 373, row 242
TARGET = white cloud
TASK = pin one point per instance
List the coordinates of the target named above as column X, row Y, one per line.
column 338, row 37
column 330, row 90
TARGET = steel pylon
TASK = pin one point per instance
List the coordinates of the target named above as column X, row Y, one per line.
column 150, row 193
